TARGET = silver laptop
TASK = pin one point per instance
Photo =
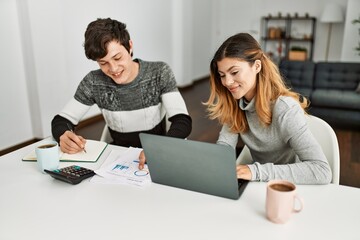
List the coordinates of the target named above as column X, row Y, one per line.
column 197, row 166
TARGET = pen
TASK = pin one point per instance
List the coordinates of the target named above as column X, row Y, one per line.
column 70, row 129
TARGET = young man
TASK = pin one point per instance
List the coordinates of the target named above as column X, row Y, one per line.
column 130, row 93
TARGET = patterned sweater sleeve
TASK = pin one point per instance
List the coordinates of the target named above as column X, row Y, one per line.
column 174, row 105
column 70, row 116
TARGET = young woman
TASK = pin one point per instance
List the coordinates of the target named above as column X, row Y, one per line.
column 249, row 98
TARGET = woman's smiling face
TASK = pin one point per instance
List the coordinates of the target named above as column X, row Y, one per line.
column 239, row 77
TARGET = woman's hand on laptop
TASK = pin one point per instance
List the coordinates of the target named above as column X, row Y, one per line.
column 142, row 160
column 243, row 172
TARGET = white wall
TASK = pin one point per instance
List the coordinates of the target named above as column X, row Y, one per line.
column 352, row 33
column 15, row 119
column 201, row 42
column 235, row 16
column 58, row 37
column 43, row 58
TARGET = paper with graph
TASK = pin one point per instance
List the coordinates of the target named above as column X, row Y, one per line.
column 122, row 167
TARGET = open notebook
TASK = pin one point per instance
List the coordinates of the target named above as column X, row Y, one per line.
column 94, row 149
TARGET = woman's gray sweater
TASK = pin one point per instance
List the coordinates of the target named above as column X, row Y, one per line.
column 286, row 149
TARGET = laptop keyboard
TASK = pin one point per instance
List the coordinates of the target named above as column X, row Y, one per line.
column 241, row 185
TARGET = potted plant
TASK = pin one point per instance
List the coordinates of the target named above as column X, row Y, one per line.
column 298, row 53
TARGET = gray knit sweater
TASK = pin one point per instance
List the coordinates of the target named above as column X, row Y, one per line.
column 129, row 109
column 284, row 150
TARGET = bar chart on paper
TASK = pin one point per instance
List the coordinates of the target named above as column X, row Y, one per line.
column 119, row 167
column 124, row 168
column 129, row 169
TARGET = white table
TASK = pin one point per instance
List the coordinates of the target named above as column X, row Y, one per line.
column 35, row 206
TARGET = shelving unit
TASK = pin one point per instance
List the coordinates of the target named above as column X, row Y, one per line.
column 288, row 32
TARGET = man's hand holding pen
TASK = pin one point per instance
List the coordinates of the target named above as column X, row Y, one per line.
column 72, row 143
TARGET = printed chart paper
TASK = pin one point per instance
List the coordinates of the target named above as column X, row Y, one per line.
column 122, row 168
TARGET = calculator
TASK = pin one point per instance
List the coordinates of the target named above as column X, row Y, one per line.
column 72, row 174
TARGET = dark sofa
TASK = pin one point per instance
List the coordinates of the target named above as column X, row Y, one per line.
column 333, row 89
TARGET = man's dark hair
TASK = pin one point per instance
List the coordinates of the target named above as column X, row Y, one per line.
column 100, row 33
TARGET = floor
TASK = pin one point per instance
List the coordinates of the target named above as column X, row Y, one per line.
column 207, row 131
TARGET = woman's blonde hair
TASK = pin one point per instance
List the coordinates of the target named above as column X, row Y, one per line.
column 269, row 85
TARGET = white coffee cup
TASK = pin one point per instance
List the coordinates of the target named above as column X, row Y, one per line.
column 47, row 155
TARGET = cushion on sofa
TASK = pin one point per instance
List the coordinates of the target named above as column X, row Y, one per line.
column 337, row 75
column 298, row 75
column 341, row 99
column 335, row 92
column 338, row 117
column 306, row 92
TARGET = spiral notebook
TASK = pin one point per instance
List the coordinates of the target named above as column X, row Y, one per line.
column 94, row 149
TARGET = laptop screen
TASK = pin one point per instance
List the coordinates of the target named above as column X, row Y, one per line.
column 197, row 166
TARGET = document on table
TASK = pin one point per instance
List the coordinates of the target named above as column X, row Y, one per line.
column 122, row 168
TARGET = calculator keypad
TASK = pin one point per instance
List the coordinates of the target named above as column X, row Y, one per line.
column 72, row 174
